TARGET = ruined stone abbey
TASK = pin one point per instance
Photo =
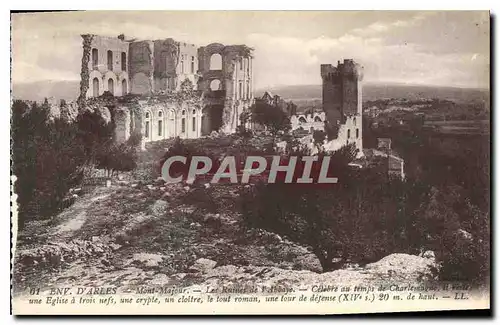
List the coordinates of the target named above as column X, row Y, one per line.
column 168, row 88
column 164, row 88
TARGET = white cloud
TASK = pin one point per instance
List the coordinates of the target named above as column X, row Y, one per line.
column 288, row 61
column 52, row 52
column 380, row 27
column 26, row 72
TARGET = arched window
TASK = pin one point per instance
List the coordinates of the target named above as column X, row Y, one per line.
column 124, row 87
column 348, row 134
column 215, row 85
column 111, row 86
column 171, row 129
column 215, row 62
column 160, row 123
column 354, row 121
column 95, row 58
column 124, row 61
column 147, row 125
column 110, row 60
column 302, row 119
column 183, row 122
column 317, row 119
column 192, row 64
column 193, row 120
column 357, row 133
column 95, row 87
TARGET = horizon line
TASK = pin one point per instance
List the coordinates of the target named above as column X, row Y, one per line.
column 378, row 83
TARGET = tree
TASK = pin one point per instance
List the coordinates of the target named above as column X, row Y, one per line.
column 355, row 220
column 47, row 159
column 319, row 136
column 94, row 133
column 272, row 117
column 115, row 157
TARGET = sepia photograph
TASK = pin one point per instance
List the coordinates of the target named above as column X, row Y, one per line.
column 250, row 162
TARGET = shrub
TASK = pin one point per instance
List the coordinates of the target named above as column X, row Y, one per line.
column 353, row 220
column 47, row 157
column 116, row 158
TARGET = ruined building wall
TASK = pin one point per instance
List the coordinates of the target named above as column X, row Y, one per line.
column 154, row 68
column 174, row 62
column 107, row 65
column 165, row 120
column 233, row 75
column 188, row 64
column 122, row 122
column 141, row 67
column 166, row 53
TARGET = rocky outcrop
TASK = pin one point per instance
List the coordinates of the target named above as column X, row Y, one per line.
column 54, row 255
column 395, row 267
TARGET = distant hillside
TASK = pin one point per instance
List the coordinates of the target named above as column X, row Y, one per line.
column 37, row 91
column 69, row 90
column 380, row 91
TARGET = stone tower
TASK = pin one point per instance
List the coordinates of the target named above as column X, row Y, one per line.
column 343, row 103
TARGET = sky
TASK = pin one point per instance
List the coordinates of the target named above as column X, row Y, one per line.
column 444, row 48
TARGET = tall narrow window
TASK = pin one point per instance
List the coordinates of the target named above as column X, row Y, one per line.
column 194, row 120
column 110, row 60
column 183, row 122
column 95, row 87
column 111, row 86
column 95, row 58
column 192, row 64
column 241, row 64
column 124, row 87
column 248, row 90
column 357, row 133
column 146, row 133
column 124, row 61
column 160, row 123
column 240, row 89
column 348, row 134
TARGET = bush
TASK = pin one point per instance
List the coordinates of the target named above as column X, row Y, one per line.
column 116, row 158
column 355, row 220
column 48, row 156
column 270, row 116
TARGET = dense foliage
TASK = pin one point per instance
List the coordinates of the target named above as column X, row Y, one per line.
column 50, row 156
column 272, row 117
column 443, row 206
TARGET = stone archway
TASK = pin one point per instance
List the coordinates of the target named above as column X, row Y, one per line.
column 215, row 62
column 215, row 85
